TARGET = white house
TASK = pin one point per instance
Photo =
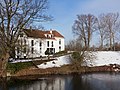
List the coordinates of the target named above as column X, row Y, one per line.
column 34, row 43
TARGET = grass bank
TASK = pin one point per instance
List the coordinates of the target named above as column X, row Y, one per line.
column 66, row 69
column 16, row 67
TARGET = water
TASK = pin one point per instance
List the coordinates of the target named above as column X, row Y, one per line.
column 94, row 81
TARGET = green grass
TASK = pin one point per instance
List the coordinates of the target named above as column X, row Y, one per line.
column 14, row 67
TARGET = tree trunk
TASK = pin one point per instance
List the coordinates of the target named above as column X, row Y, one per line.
column 113, row 43
column 4, row 61
column 110, row 43
column 101, row 45
column 110, row 37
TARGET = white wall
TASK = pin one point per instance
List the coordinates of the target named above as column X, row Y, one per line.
column 44, row 46
column 62, row 45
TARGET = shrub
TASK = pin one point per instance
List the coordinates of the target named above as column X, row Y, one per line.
column 77, row 60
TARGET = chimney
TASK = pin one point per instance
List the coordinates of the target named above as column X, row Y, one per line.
column 30, row 28
column 50, row 31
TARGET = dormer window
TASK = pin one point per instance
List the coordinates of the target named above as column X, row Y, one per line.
column 51, row 36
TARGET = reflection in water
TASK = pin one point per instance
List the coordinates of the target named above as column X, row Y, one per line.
column 96, row 81
column 3, row 84
column 52, row 83
column 102, row 81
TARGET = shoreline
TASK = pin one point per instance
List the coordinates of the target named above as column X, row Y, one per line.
column 65, row 70
column 35, row 77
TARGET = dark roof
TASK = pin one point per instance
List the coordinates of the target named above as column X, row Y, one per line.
column 34, row 33
column 41, row 34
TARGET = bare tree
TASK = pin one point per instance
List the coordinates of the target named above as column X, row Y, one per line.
column 84, row 27
column 39, row 27
column 78, row 51
column 73, row 45
column 101, row 30
column 14, row 16
column 111, row 21
column 80, row 57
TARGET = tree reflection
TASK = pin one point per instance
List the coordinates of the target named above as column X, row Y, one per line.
column 75, row 82
column 79, row 83
column 3, row 84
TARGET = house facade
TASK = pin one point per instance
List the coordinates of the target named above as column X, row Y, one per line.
column 35, row 43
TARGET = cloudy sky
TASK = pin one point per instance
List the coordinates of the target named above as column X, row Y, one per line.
column 65, row 11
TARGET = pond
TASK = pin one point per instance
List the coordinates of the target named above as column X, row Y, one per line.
column 94, row 81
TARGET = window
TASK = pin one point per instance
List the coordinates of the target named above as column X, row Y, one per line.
column 17, row 56
column 59, row 41
column 40, row 50
column 47, row 52
column 59, row 48
column 52, row 43
column 24, row 56
column 40, row 43
column 52, row 50
column 48, row 43
column 32, row 42
column 32, row 50
column 51, row 36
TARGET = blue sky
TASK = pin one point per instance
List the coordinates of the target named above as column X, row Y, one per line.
column 65, row 11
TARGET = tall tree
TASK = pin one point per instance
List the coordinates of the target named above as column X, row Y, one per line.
column 101, row 30
column 111, row 21
column 84, row 27
column 14, row 16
